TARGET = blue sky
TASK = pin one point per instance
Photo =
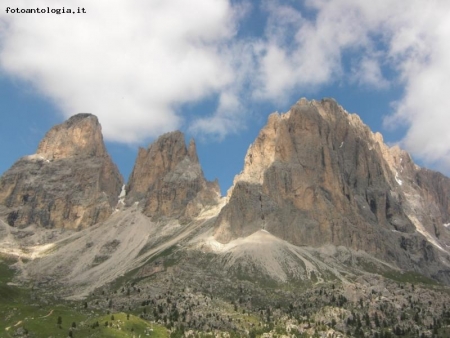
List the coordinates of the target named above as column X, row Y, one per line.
column 216, row 69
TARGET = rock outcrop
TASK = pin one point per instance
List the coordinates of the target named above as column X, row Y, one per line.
column 70, row 182
column 317, row 175
column 168, row 181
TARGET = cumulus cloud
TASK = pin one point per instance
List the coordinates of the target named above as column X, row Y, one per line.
column 135, row 63
column 232, row 111
column 315, row 54
column 421, row 51
column 221, row 122
column 412, row 41
column 129, row 62
column 368, row 73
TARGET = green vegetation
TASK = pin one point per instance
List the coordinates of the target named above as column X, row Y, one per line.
column 120, row 325
column 58, row 321
column 243, row 303
column 7, row 293
column 163, row 254
column 408, row 277
column 396, row 275
column 166, row 256
column 21, row 310
column 253, row 274
column 42, row 321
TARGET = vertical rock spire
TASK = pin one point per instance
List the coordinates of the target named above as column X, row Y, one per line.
column 70, row 182
column 168, row 181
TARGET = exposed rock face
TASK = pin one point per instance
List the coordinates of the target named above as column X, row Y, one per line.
column 168, row 180
column 317, row 175
column 70, row 182
column 80, row 135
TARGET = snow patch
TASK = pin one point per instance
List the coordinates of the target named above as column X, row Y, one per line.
column 399, row 181
column 37, row 157
column 122, row 195
column 447, row 225
column 122, row 192
column 121, row 201
column 342, row 143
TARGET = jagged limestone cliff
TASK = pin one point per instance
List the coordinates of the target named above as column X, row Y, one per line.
column 168, row 180
column 70, row 182
column 317, row 175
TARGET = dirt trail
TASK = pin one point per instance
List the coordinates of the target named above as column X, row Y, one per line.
column 49, row 314
column 18, row 323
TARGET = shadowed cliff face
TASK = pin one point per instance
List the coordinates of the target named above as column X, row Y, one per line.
column 70, row 182
column 317, row 175
column 168, row 181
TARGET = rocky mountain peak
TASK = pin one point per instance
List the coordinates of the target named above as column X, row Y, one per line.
column 192, row 151
column 80, row 135
column 159, row 159
column 317, row 175
column 275, row 144
column 71, row 182
column 168, row 181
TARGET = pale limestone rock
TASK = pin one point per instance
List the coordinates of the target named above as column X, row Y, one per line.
column 81, row 135
column 317, row 175
column 168, row 181
column 70, row 182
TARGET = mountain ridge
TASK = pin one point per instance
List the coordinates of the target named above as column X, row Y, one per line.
column 317, row 175
column 326, row 232
column 314, row 176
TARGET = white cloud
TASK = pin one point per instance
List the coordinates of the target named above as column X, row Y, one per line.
column 225, row 119
column 129, row 62
column 314, row 56
column 413, row 40
column 368, row 72
column 231, row 113
column 134, row 63
column 420, row 48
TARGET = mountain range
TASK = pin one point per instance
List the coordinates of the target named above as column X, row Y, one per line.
column 321, row 202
